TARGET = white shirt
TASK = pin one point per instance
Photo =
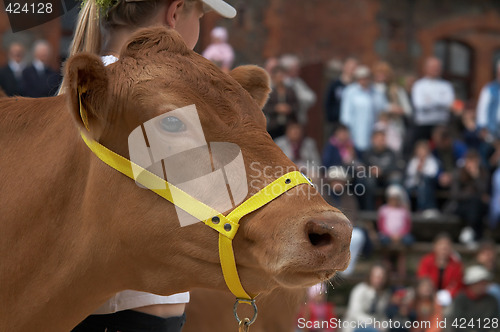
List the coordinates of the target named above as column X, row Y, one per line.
column 482, row 108
column 133, row 299
column 432, row 99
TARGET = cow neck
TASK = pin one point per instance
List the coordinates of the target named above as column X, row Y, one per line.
column 226, row 226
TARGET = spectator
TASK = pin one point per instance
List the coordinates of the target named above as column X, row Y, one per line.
column 432, row 98
column 39, row 79
column 470, row 193
column 421, row 177
column 394, row 226
column 300, row 149
column 488, row 109
column 338, row 193
column 383, row 168
column 394, row 131
column 219, row 51
column 470, row 132
column 448, row 152
column 400, row 311
column 270, row 64
column 424, row 303
column 494, row 214
column 361, row 105
column 305, row 95
column 487, row 257
column 368, row 301
column 442, row 266
column 11, row 76
column 339, row 150
column 394, row 218
column 399, row 109
column 317, row 309
column 282, row 105
column 335, row 90
column 474, row 304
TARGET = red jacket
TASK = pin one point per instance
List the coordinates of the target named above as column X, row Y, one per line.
column 452, row 276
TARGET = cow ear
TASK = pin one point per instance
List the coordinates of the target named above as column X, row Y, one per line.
column 87, row 92
column 255, row 80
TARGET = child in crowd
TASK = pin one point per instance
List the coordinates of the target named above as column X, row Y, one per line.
column 394, row 226
column 421, row 176
column 394, row 219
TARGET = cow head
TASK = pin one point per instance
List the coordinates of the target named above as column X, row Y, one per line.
column 296, row 240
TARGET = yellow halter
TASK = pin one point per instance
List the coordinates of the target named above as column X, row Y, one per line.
column 227, row 226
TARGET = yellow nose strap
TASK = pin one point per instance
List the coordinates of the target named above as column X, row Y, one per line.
column 227, row 226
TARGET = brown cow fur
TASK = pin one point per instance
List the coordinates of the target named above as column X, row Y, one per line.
column 74, row 231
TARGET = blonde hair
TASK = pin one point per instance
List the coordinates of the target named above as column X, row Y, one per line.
column 126, row 13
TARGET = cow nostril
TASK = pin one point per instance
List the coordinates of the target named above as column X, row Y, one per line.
column 320, row 240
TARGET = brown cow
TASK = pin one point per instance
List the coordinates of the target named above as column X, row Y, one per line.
column 74, row 231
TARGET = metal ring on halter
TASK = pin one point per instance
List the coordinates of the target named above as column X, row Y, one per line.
column 249, row 302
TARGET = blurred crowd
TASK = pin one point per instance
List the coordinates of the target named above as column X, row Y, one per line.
column 414, row 134
column 446, row 296
column 29, row 79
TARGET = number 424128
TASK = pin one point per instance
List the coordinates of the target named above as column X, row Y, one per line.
column 33, row 8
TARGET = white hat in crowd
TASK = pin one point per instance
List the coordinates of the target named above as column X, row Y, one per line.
column 362, row 72
column 475, row 274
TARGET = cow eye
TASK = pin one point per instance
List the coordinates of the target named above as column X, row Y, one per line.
column 172, row 124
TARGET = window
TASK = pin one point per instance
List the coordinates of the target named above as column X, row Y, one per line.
column 457, row 65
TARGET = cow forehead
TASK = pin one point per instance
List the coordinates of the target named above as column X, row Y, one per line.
column 180, row 81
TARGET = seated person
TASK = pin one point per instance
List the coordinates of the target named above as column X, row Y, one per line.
column 383, row 168
column 448, row 152
column 474, row 304
column 470, row 193
column 421, row 176
column 442, row 266
column 394, row 226
column 300, row 149
column 339, row 150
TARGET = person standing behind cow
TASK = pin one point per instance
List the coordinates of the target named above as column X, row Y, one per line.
column 104, row 31
column 305, row 95
column 432, row 98
column 219, row 51
column 11, row 76
column 335, row 90
column 282, row 105
column 361, row 105
column 39, row 80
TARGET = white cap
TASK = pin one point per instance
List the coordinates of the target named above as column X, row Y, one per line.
column 221, row 7
column 362, row 72
column 476, row 274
